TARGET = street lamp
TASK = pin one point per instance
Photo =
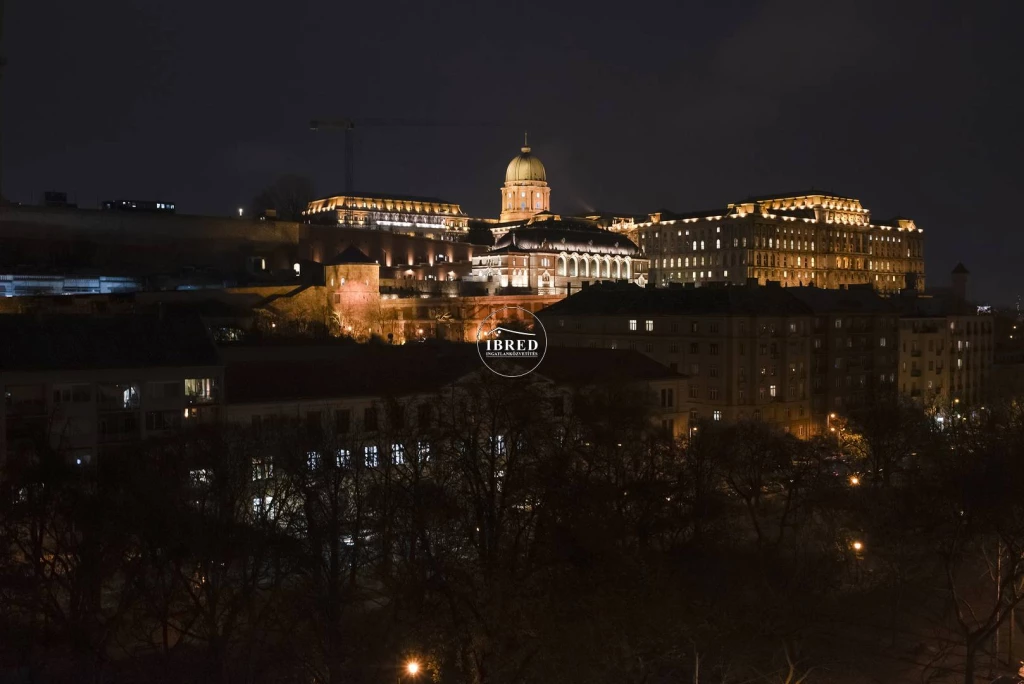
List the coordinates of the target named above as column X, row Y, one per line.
column 858, row 546
column 412, row 668
column 854, row 480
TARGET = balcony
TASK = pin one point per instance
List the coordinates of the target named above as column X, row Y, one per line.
column 915, row 373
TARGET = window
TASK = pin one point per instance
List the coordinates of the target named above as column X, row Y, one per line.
column 713, row 393
column 398, row 454
column 199, row 390
column 370, row 459
column 694, row 348
column 262, row 469
column 694, row 327
column 342, row 419
column 673, row 349
column 370, row 418
column 713, row 350
column 693, row 391
column 424, row 415
column 163, row 420
column 423, row 451
column 498, row 445
column 342, row 458
column 314, row 423
column 632, row 324
column 76, row 394
column 198, row 477
column 263, row 506
column 649, row 326
column 667, row 398
column 772, row 390
column 716, row 415
column 881, row 341
column 162, row 390
column 713, row 371
column 312, row 460
column 839, row 324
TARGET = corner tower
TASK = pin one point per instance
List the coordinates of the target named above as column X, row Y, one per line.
column 526, row 190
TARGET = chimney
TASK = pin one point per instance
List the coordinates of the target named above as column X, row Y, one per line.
column 959, row 280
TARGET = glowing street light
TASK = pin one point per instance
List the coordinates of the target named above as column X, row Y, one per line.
column 240, row 210
column 854, row 480
column 858, row 546
column 412, row 668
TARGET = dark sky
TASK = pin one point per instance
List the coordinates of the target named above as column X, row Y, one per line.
column 913, row 107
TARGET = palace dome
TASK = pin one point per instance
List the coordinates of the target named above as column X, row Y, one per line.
column 525, row 167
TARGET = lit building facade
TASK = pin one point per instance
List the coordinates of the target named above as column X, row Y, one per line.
column 419, row 216
column 550, row 255
column 795, row 239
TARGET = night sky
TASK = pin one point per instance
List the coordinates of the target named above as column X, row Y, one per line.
column 913, row 107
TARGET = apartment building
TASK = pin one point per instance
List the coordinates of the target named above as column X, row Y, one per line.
column 787, row 356
column 86, row 387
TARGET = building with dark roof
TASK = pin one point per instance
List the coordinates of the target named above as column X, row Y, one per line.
column 787, row 356
column 85, row 386
column 549, row 254
column 369, row 394
column 794, row 238
column 947, row 347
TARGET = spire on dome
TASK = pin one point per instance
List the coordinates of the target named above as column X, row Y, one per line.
column 526, row 142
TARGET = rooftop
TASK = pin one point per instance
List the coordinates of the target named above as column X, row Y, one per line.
column 743, row 300
column 80, row 342
column 570, row 235
column 618, row 299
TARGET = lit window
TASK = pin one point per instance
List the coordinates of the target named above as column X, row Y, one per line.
column 771, row 390
column 370, row 457
column 716, row 415
column 198, row 477
column 632, row 324
column 261, row 469
column 397, row 454
column 342, row 458
column 312, row 460
column 264, row 506
column 199, row 390
column 649, row 326
column 423, row 451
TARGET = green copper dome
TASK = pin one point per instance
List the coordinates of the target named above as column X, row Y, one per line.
column 525, row 167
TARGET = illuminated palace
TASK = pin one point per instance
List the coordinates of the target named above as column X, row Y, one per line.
column 795, row 239
column 418, row 216
column 541, row 252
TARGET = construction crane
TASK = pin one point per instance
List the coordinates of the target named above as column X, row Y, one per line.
column 350, row 126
